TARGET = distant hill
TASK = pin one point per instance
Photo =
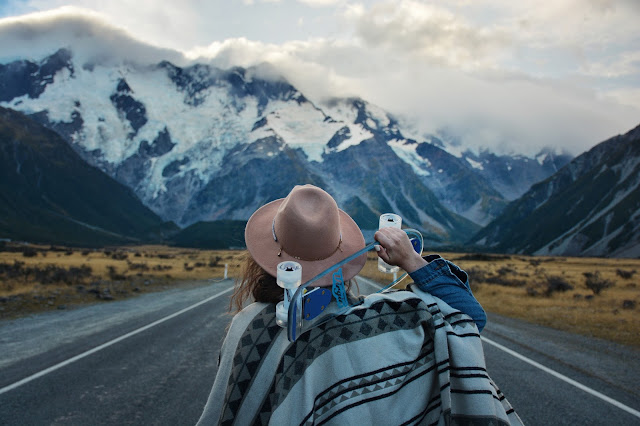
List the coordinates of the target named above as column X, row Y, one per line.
column 49, row 194
column 590, row 207
column 220, row 234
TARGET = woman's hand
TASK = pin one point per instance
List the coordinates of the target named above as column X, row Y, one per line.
column 397, row 250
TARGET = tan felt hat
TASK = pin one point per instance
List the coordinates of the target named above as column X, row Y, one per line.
column 305, row 227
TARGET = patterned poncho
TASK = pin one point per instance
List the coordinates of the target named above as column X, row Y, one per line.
column 399, row 358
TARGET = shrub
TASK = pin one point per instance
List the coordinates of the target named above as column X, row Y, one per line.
column 114, row 275
column 596, row 283
column 507, row 282
column 505, row 270
column 557, row 284
column 483, row 257
column 29, row 252
column 476, row 275
column 162, row 267
column 628, row 304
column 138, row 266
column 625, row 274
column 532, row 292
column 119, row 256
column 52, row 274
column 14, row 270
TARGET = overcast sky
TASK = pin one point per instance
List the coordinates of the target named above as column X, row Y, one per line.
column 510, row 75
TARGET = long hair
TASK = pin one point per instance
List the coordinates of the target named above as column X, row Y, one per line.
column 259, row 285
column 255, row 284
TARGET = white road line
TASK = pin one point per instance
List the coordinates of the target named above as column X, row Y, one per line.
column 546, row 369
column 106, row 345
column 564, row 378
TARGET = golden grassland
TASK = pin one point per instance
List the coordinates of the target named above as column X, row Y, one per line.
column 552, row 291
column 37, row 278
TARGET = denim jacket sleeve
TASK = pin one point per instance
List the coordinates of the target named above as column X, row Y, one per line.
column 446, row 281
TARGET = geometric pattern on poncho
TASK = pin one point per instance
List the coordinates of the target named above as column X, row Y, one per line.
column 447, row 382
column 381, row 317
column 250, row 352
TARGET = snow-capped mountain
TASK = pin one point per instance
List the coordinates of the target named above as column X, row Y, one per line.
column 591, row 207
column 199, row 143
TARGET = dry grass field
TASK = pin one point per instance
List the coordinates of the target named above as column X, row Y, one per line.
column 36, row 278
column 595, row 297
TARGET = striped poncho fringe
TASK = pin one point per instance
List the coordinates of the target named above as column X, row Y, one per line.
column 399, row 358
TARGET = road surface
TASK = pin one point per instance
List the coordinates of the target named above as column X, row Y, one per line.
column 151, row 360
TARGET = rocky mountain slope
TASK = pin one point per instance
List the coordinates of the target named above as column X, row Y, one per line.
column 591, row 207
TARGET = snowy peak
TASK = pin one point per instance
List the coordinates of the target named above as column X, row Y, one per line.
column 201, row 143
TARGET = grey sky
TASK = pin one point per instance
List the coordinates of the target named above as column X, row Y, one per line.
column 512, row 75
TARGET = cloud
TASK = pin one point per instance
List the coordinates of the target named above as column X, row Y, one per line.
column 625, row 64
column 90, row 34
column 504, row 111
column 426, row 30
column 511, row 76
column 321, row 3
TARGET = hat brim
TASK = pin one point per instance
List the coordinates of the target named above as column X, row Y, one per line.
column 264, row 249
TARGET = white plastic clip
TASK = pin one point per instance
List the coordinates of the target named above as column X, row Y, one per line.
column 289, row 278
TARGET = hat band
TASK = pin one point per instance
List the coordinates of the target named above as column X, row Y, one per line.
column 282, row 249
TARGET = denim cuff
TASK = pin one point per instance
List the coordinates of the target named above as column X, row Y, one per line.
column 437, row 272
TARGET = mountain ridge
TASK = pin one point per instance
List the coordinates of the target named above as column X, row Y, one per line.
column 591, row 207
column 175, row 134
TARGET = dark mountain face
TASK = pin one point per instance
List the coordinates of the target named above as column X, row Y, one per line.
column 21, row 78
column 589, row 207
column 49, row 194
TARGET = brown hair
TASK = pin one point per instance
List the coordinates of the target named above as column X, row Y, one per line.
column 255, row 283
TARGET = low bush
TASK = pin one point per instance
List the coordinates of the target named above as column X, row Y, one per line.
column 476, row 275
column 54, row 275
column 138, row 266
column 507, row 282
column 484, row 257
column 557, row 284
column 114, row 275
column 596, row 283
column 552, row 284
column 627, row 275
column 49, row 274
column 162, row 267
column 119, row 256
column 29, row 252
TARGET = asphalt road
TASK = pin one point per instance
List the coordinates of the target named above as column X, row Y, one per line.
column 132, row 362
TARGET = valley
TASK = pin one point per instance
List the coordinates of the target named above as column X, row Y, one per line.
column 594, row 297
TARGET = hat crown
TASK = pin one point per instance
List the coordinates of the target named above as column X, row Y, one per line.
column 307, row 224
